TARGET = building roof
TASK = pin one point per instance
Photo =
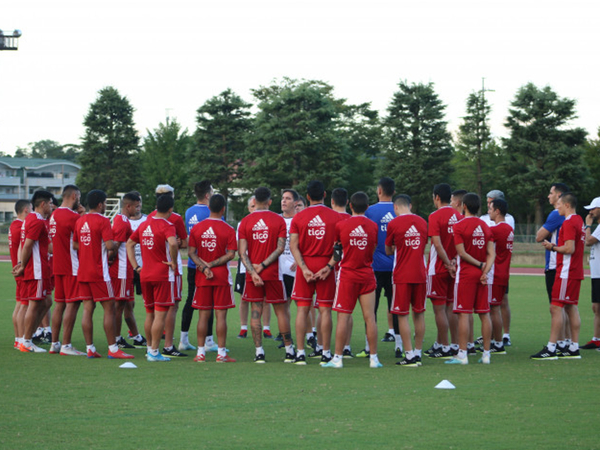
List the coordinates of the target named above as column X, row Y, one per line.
column 35, row 163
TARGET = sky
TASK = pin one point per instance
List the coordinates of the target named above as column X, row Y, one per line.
column 169, row 57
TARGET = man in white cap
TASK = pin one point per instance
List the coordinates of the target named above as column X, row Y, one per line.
column 593, row 240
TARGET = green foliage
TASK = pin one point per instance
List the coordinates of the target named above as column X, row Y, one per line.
column 418, row 146
column 541, row 150
column 163, row 161
column 591, row 157
column 48, row 149
column 109, row 155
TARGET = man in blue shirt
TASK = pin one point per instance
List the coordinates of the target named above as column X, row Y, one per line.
column 195, row 214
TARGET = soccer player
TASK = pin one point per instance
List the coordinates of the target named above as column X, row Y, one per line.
column 93, row 239
column 169, row 349
column 475, row 258
column 441, row 269
column 22, row 209
column 456, row 199
column 66, row 264
column 503, row 237
column 406, row 240
column 135, row 221
column 382, row 213
column 592, row 240
column 312, row 235
column 569, row 273
column 212, row 245
column 121, row 272
column 195, row 214
column 158, row 239
column 262, row 237
column 34, row 267
column 240, row 281
column 358, row 237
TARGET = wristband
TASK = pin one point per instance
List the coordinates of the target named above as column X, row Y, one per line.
column 481, row 266
column 330, row 266
column 588, row 226
column 204, row 268
column 553, row 247
column 263, row 265
column 136, row 269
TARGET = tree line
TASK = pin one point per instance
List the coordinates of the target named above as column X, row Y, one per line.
column 298, row 130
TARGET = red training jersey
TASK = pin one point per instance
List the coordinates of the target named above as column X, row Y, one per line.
column 121, row 267
column 571, row 266
column 62, row 228
column 261, row 229
column 315, row 227
column 358, row 236
column 181, row 231
column 474, row 234
column 91, row 232
column 35, row 228
column 503, row 237
column 14, row 239
column 408, row 233
column 212, row 238
column 441, row 223
column 152, row 236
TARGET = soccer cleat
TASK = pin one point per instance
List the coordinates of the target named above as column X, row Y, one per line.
column 300, row 360
column 440, row 353
column 463, row 361
column 278, row 338
column 569, row 354
column 140, row 343
column 260, row 359
column 289, row 357
column 363, row 354
column 183, row 346
column 173, row 353
column 399, row 353
column 325, row 359
column 119, row 354
column 471, row 351
column 560, row 349
column 129, row 334
column 312, row 342
column 46, row 338
column 388, row 337
column 122, row 343
column 333, row 365
column 93, row 354
column 316, row 354
column 54, row 349
column 243, row 334
column 484, row 359
column 70, row 351
column 281, row 344
column 506, row 341
column 544, row 355
column 16, row 345
column 479, row 341
column 591, row 345
column 408, row 362
column 267, row 334
column 375, row 365
column 33, row 349
column 225, row 359
column 419, row 362
column 347, row 354
column 212, row 348
column 431, row 350
column 498, row 350
column 156, row 358
column 200, row 358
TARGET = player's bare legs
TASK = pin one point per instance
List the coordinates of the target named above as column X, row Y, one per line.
column 441, row 322
column 325, row 326
column 69, row 319
column 109, row 321
column 87, row 323
column 496, row 316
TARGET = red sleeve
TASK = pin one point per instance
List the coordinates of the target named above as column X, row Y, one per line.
column 338, row 229
column 76, row 231
column 282, row 228
column 135, row 236
column 294, row 226
column 171, row 232
column 34, row 230
column 488, row 233
column 457, row 233
column 242, row 229
column 434, row 226
column 570, row 230
column 180, row 228
column 107, row 233
column 119, row 230
column 389, row 238
column 232, row 243
column 192, row 242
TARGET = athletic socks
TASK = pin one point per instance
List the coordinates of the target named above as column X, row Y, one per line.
column 308, row 336
column 47, row 330
column 337, row 358
column 506, row 336
column 222, row 352
column 209, row 341
column 574, row 346
column 410, row 354
column 168, row 348
column 184, row 339
column 153, row 351
column 289, row 349
column 454, row 347
column 260, row 351
column 327, row 353
column 374, row 357
column 418, row 352
column 462, row 354
column 300, row 353
column 398, row 339
column 347, row 347
column 486, row 353
column 91, row 348
column 391, row 331
column 551, row 346
column 115, row 348
column 319, row 348
column 201, row 351
column 245, row 327
column 470, row 345
column 498, row 344
column 445, row 348
column 367, row 344
column 266, row 327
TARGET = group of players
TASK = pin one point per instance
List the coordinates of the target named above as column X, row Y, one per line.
column 321, row 258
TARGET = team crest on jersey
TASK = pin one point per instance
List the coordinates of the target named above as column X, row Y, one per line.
column 478, row 237
column 209, row 239
column 451, row 222
column 193, row 220
column 148, row 238
column 260, row 231
column 84, row 234
column 358, row 238
column 316, row 227
column 412, row 238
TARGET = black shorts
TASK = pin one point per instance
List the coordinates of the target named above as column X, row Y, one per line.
column 288, row 282
column 240, row 282
column 595, row 290
column 550, row 276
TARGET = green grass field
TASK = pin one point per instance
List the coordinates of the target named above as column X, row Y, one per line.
column 56, row 402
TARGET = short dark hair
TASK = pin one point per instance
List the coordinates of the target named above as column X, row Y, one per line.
column 459, row 193
column 294, row 193
column 95, row 197
column 472, row 202
column 359, row 202
column 443, row 191
column 131, row 197
column 316, row 190
column 164, row 203
column 20, row 205
column 216, row 203
column 69, row 189
column 302, row 200
column 201, row 188
column 569, row 198
column 560, row 187
column 340, row 197
column 387, row 186
column 41, row 196
column 500, row 205
column 402, row 200
column 262, row 195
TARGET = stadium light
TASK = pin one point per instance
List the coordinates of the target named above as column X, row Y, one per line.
column 10, row 41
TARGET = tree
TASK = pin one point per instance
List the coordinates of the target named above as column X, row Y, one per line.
column 163, row 161
column 418, row 146
column 591, row 158
column 541, row 149
column 219, row 141
column 48, row 149
column 110, row 148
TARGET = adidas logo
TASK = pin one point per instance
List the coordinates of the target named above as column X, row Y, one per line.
column 316, row 222
column 339, row 305
column 193, row 220
column 396, row 308
column 434, row 293
column 358, row 232
column 209, row 234
column 260, row 226
column 478, row 232
column 85, row 228
column 452, row 220
column 148, row 232
column 511, row 237
column 52, row 221
column 412, row 232
column 387, row 218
